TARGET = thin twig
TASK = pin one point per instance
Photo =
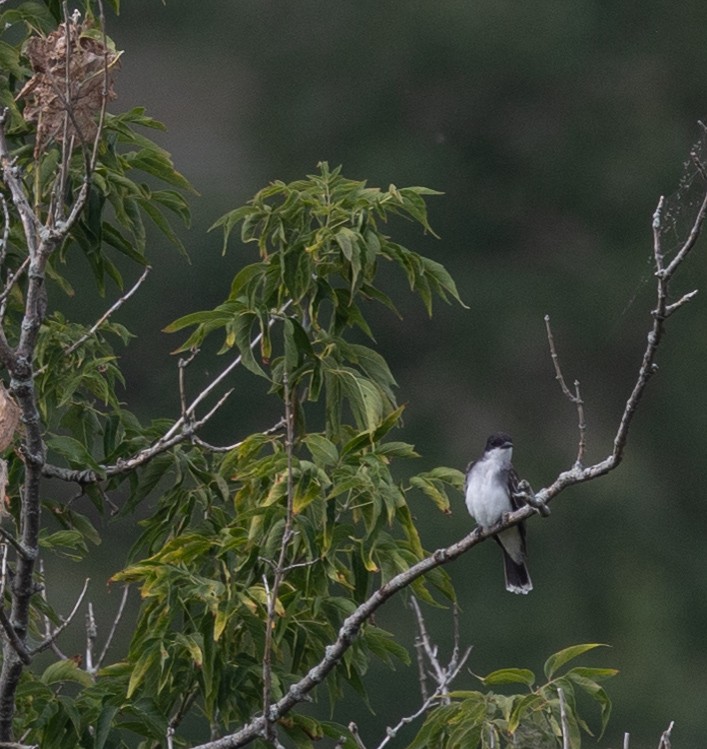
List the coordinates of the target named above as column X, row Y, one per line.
column 563, row 719
column 114, row 308
column 274, row 429
column 444, row 676
column 3, row 570
column 47, row 621
column 47, row 641
column 12, row 279
column 280, row 569
column 5, row 230
column 421, row 668
column 114, row 626
column 429, row 649
column 353, row 730
column 104, row 92
column 180, row 423
column 683, row 300
column 665, row 737
column 91, row 635
column 575, row 397
column 648, row 366
column 657, row 226
column 182, row 364
column 688, row 245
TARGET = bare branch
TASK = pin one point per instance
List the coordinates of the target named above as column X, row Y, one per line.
column 5, row 230
column 47, row 641
column 353, row 729
column 424, row 639
column 444, row 675
column 190, row 410
column 182, row 364
column 12, row 178
column 91, row 635
column 114, row 627
column 12, row 279
column 114, row 308
column 665, row 737
column 688, row 245
column 563, row 719
column 683, row 300
column 274, row 429
column 3, row 570
column 47, row 622
column 575, row 397
column 280, row 567
column 657, row 236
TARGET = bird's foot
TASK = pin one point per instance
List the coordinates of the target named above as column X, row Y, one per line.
column 526, row 494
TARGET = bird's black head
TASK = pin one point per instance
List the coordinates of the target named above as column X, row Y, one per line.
column 500, row 439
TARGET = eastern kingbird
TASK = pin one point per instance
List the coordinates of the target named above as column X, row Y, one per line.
column 491, row 485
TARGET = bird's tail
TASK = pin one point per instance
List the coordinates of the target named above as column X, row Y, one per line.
column 517, row 576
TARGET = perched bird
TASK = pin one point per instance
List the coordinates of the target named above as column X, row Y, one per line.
column 491, row 483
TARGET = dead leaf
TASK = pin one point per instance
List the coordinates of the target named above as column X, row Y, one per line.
column 9, row 418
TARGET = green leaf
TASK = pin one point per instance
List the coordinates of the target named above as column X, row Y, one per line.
column 66, row 670
column 363, row 396
column 597, row 693
column 526, row 705
column 68, row 539
column 556, row 661
column 596, row 674
column 509, row 676
column 323, row 450
column 104, row 725
column 244, row 277
column 145, row 663
column 74, row 451
column 443, row 282
column 432, row 484
column 10, row 60
column 158, row 218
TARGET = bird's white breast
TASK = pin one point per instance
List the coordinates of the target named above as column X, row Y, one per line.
column 486, row 496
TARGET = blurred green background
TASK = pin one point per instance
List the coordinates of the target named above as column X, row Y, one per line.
column 552, row 128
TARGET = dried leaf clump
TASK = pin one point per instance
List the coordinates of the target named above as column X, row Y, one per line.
column 64, row 96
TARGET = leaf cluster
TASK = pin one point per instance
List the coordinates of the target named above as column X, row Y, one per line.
column 320, row 242
column 544, row 717
column 326, row 498
column 329, row 497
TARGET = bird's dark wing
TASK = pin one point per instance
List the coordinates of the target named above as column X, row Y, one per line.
column 513, row 489
column 516, row 503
